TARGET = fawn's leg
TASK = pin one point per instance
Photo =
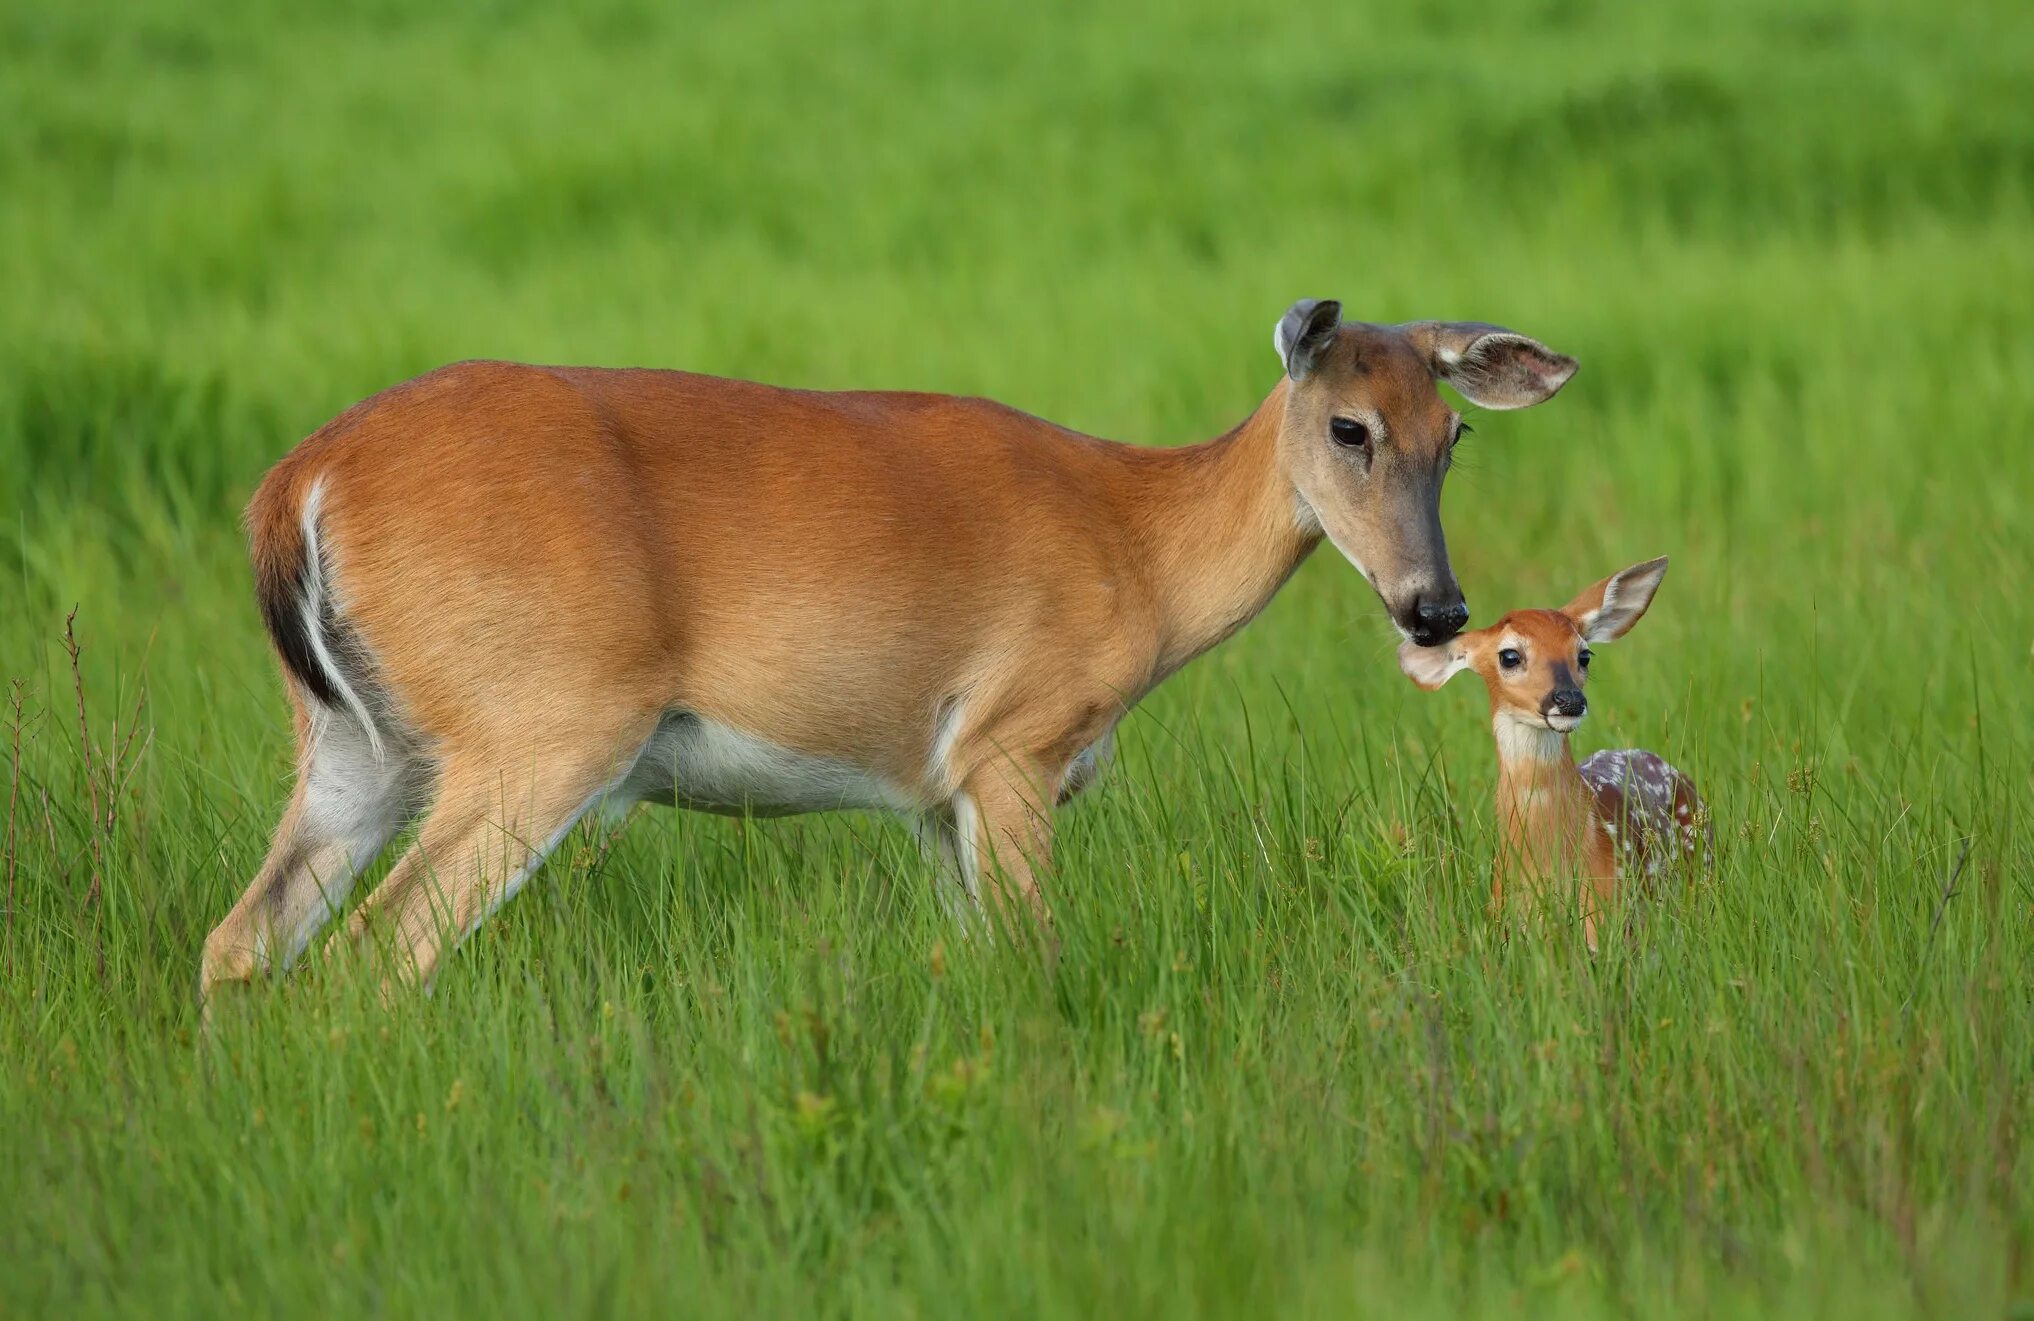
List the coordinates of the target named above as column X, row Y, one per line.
column 347, row 804
column 1599, row 892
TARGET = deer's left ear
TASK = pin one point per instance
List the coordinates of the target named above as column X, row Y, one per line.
column 1305, row 333
column 1606, row 612
column 1491, row 366
column 1430, row 667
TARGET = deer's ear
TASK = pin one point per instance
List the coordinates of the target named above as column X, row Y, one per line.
column 1305, row 333
column 1491, row 366
column 1606, row 611
column 1430, row 667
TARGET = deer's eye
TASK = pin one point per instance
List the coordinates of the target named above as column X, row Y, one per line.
column 1583, row 659
column 1348, row 431
column 1510, row 658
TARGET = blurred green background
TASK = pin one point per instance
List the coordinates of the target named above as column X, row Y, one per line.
column 1285, row 1062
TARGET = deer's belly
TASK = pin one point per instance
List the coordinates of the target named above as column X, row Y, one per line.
column 694, row 762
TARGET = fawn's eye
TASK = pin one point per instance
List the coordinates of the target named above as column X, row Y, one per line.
column 1583, row 659
column 1348, row 431
column 1510, row 658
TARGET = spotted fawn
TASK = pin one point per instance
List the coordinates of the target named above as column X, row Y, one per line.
column 1616, row 814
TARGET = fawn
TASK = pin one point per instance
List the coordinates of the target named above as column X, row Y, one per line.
column 1617, row 812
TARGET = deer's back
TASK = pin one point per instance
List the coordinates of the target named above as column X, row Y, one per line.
column 1652, row 812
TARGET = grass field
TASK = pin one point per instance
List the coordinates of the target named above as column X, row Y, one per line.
column 1285, row 1065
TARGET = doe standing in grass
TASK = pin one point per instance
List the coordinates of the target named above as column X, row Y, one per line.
column 518, row 594
column 1618, row 812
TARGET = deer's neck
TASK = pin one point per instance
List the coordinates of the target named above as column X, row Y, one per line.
column 1219, row 531
column 1543, row 804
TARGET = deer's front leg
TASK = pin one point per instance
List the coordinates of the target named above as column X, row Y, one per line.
column 1003, row 822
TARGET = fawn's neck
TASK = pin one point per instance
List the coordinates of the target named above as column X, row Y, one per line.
column 1543, row 805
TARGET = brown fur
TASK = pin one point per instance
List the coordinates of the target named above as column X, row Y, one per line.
column 532, row 566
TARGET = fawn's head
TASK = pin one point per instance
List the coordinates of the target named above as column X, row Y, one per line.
column 1367, row 440
column 1534, row 662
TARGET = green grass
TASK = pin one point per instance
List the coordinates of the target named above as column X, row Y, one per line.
column 1285, row 1064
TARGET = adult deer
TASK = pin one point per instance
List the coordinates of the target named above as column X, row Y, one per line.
column 523, row 593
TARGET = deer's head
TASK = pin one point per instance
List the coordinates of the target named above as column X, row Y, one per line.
column 1367, row 440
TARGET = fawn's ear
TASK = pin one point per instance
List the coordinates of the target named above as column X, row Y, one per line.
column 1606, row 612
column 1430, row 667
column 1491, row 366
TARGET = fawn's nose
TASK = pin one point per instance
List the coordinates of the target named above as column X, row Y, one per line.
column 1437, row 621
column 1567, row 702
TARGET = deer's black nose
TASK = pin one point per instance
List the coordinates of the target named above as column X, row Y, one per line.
column 1437, row 621
column 1567, row 702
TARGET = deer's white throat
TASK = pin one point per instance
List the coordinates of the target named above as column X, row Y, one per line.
column 1518, row 741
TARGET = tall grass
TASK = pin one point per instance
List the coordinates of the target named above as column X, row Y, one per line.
column 1285, row 1063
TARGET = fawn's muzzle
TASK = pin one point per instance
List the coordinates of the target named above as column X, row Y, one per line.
column 1565, row 702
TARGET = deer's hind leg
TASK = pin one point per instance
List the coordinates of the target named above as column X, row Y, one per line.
column 350, row 799
column 499, row 813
